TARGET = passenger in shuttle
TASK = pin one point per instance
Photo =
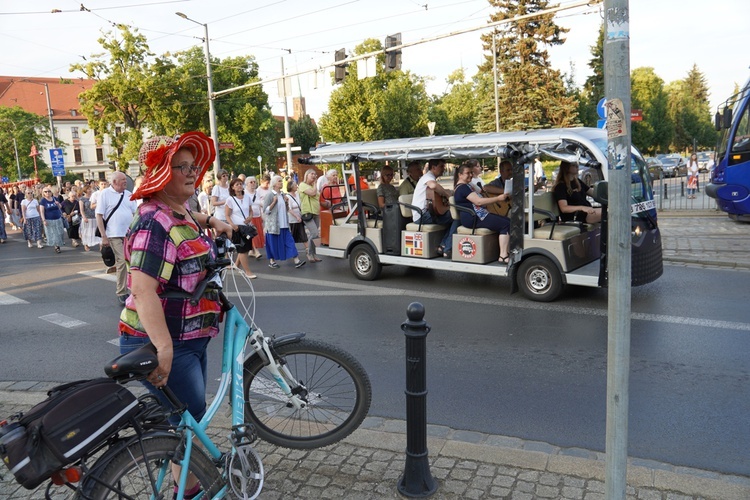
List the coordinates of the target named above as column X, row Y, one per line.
column 387, row 192
column 466, row 197
column 570, row 195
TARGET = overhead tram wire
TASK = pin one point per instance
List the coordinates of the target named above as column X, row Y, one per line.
column 352, row 59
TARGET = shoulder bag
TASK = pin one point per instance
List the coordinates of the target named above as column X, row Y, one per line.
column 98, row 233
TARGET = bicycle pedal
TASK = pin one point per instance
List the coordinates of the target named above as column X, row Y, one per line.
column 243, row 435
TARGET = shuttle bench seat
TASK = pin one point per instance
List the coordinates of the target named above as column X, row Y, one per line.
column 419, row 240
column 547, row 215
column 473, row 244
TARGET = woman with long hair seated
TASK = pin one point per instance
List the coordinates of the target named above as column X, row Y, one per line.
column 570, row 194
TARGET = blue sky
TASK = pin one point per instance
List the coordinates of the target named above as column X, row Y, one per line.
column 668, row 35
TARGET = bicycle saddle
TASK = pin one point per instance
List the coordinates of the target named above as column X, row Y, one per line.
column 135, row 364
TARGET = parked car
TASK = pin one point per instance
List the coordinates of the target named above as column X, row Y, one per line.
column 655, row 168
column 674, row 166
column 703, row 158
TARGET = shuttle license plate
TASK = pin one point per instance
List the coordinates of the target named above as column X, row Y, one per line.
column 642, row 206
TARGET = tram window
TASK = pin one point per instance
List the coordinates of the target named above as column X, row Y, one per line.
column 742, row 135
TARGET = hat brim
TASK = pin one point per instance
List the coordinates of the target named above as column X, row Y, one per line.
column 157, row 176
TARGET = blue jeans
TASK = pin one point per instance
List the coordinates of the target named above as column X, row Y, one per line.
column 445, row 219
column 188, row 377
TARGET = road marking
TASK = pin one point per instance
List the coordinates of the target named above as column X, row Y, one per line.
column 102, row 275
column 374, row 290
column 7, row 299
column 115, row 341
column 62, row 320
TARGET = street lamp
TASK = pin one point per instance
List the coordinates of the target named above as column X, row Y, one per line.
column 211, row 108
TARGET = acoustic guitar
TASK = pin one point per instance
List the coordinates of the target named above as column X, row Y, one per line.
column 437, row 204
column 501, row 208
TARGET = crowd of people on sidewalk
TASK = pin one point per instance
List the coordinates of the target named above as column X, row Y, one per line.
column 49, row 216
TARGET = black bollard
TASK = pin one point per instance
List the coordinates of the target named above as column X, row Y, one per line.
column 682, row 188
column 665, row 192
column 417, row 480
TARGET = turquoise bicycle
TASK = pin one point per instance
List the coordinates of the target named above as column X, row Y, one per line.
column 289, row 391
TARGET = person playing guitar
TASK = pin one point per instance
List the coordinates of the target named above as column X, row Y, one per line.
column 429, row 193
column 497, row 187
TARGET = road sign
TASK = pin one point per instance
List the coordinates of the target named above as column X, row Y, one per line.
column 4, row 179
column 636, row 115
column 57, row 162
column 226, row 145
column 293, row 148
column 600, row 108
column 287, row 140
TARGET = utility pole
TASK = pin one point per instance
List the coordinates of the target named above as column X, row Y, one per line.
column 287, row 133
column 494, row 81
column 211, row 105
column 617, row 90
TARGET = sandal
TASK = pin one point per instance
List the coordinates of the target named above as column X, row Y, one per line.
column 504, row 260
column 441, row 250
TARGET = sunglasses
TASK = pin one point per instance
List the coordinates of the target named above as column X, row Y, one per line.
column 46, row 192
column 187, row 169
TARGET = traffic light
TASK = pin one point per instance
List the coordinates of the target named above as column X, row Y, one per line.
column 339, row 72
column 392, row 58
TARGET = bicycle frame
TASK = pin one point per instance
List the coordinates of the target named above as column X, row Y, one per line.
column 236, row 331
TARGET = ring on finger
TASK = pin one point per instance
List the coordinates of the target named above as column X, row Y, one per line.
column 159, row 377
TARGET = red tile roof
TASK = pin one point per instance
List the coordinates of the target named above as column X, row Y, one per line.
column 28, row 92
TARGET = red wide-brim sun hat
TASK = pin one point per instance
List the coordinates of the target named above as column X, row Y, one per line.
column 156, row 156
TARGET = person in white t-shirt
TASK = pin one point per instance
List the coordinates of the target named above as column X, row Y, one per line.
column 119, row 219
column 220, row 194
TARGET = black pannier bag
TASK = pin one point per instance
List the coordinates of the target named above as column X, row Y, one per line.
column 73, row 420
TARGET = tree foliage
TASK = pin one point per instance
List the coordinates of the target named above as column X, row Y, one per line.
column 121, row 94
column 654, row 133
column 456, row 111
column 593, row 88
column 167, row 95
column 690, row 112
column 389, row 105
column 305, row 132
column 531, row 93
column 27, row 129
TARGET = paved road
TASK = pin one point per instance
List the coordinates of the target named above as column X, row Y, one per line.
column 311, row 476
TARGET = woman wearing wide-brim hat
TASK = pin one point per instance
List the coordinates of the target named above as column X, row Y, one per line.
column 166, row 250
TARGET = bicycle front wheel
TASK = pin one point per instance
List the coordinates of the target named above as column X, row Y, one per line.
column 131, row 472
column 332, row 382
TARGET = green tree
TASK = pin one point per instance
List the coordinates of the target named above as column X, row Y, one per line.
column 389, row 105
column 689, row 109
column 27, row 129
column 654, row 133
column 455, row 112
column 305, row 132
column 593, row 88
column 168, row 96
column 121, row 94
column 531, row 93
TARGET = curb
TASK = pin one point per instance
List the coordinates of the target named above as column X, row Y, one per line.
column 446, row 443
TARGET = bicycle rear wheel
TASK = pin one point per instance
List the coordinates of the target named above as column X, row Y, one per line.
column 128, row 472
column 338, row 396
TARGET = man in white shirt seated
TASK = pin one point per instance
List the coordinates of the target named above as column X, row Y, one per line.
column 428, row 187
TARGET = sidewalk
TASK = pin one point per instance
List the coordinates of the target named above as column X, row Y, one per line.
column 466, row 464
column 707, row 238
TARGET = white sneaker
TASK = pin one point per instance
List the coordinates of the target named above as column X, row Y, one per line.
column 39, row 245
column 30, row 245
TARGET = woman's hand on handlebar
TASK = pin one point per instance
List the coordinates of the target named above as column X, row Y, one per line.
column 221, row 227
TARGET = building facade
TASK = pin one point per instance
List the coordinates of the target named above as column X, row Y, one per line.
column 85, row 155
